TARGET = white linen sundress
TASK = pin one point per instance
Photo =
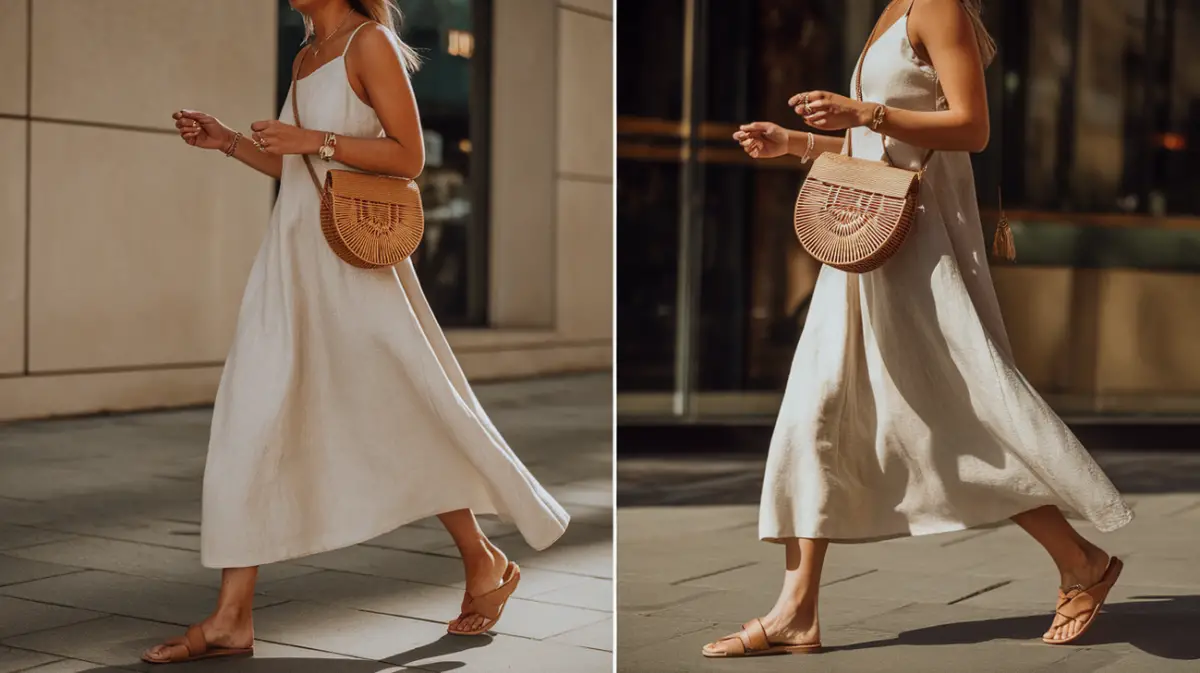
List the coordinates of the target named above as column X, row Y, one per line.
column 904, row 413
column 342, row 413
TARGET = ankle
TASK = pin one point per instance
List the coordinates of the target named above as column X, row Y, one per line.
column 482, row 555
column 794, row 614
column 1082, row 563
column 232, row 616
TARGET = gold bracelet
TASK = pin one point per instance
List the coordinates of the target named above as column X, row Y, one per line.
column 233, row 145
column 812, row 142
column 327, row 147
column 878, row 117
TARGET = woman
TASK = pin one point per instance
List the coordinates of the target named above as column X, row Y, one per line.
column 904, row 414
column 342, row 413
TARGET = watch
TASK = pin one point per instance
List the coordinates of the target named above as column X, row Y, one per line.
column 326, row 151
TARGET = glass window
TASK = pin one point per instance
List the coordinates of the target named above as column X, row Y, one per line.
column 1100, row 105
column 452, row 88
column 650, row 108
column 1095, row 139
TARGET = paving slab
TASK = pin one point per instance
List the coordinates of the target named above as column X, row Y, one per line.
column 114, row 594
column 15, row 537
column 76, row 666
column 19, row 617
column 172, row 533
column 504, row 654
column 588, row 592
column 143, row 560
column 99, row 540
column 112, row 641
column 598, row 636
column 973, row 600
column 15, row 570
column 12, row 661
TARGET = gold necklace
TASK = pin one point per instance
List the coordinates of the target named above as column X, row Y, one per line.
column 317, row 47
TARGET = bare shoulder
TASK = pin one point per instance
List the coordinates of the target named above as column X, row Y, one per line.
column 932, row 12
column 375, row 44
column 938, row 18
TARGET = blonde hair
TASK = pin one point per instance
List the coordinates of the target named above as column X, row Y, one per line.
column 987, row 46
column 385, row 13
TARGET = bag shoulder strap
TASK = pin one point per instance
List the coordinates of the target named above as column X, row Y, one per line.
column 312, row 172
column 862, row 60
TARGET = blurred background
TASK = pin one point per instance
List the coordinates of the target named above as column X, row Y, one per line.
column 1095, row 140
column 124, row 253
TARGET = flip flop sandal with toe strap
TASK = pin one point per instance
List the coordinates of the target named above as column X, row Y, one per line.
column 1083, row 605
column 195, row 648
column 752, row 641
column 490, row 605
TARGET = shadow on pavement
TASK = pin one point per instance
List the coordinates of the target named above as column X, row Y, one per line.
column 444, row 646
column 1164, row 626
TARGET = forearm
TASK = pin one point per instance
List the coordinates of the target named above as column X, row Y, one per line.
column 943, row 130
column 267, row 164
column 385, row 156
column 798, row 143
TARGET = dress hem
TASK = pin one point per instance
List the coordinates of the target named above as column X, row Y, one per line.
column 1105, row 524
column 215, row 565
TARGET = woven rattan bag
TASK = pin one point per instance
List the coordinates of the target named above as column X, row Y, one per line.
column 370, row 221
column 853, row 214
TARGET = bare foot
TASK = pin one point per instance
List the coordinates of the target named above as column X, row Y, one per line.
column 1083, row 576
column 223, row 631
column 483, row 575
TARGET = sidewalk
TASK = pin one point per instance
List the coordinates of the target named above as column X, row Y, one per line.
column 99, row 532
column 970, row 602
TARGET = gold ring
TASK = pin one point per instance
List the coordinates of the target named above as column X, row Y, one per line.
column 807, row 107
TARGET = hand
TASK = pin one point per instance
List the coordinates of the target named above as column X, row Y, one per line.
column 275, row 137
column 762, row 140
column 830, row 111
column 202, row 130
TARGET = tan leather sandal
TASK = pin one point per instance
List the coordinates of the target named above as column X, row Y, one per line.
column 193, row 647
column 490, row 605
column 1081, row 605
column 752, row 641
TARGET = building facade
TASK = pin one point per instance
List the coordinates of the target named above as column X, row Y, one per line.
column 124, row 253
column 1095, row 136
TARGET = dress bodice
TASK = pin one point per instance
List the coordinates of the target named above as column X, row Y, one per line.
column 894, row 75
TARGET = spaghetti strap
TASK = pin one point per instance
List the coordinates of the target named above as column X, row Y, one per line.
column 351, row 39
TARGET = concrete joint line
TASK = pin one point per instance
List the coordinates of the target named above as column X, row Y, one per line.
column 982, row 591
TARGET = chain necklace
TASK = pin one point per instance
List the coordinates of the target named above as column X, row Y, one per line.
column 321, row 43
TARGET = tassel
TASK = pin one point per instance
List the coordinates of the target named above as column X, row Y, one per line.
column 1003, row 246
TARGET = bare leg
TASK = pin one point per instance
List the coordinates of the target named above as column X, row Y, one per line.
column 793, row 620
column 1078, row 560
column 483, row 561
column 232, row 624
column 794, row 617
